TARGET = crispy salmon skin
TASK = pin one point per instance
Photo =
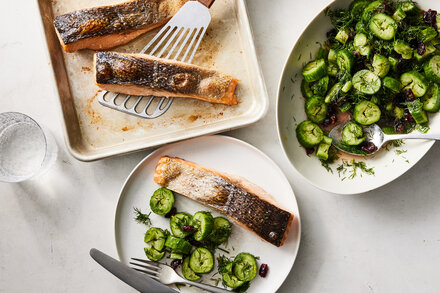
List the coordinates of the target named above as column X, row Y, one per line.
column 143, row 75
column 248, row 205
column 105, row 27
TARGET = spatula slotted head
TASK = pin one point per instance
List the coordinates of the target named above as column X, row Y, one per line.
column 178, row 40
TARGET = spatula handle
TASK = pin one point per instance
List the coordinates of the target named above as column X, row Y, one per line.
column 207, row 3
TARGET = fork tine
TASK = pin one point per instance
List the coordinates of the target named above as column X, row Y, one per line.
column 151, row 276
column 190, row 44
column 152, row 263
column 147, row 268
column 197, row 45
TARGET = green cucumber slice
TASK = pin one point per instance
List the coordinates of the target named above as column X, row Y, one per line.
column 203, row 222
column 178, row 245
column 155, row 237
column 416, row 110
column 162, row 201
column 153, row 254
column 352, row 134
column 432, row 69
column 201, row 261
column 366, row 113
column 320, row 87
column 414, row 81
column 347, row 86
column 306, row 90
column 229, row 279
column 322, row 151
column 431, row 100
column 392, row 84
column 345, row 60
column 332, row 69
column 316, row 109
column 370, row 9
column 407, row 6
column 428, row 34
column 314, row 70
column 360, row 44
column 399, row 14
column 322, row 53
column 333, row 93
column 383, row 26
column 342, row 36
column 178, row 221
column 429, row 49
column 332, row 55
column 398, row 112
column 187, row 272
column 221, row 230
column 403, row 49
column 309, row 134
column 245, row 267
column 175, row 255
column 393, row 62
column 327, row 140
column 366, row 82
column 381, row 65
column 345, row 107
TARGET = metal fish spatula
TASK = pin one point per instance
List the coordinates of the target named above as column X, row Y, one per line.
column 177, row 40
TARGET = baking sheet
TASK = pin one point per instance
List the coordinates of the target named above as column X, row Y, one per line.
column 94, row 131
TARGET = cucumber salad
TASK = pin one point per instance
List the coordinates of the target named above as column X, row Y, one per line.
column 192, row 241
column 380, row 64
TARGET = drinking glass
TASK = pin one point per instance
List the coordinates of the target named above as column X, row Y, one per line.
column 27, row 149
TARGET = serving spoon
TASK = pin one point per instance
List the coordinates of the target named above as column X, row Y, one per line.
column 373, row 135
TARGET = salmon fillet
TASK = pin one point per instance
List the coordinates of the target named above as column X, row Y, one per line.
column 105, row 27
column 143, row 75
column 245, row 203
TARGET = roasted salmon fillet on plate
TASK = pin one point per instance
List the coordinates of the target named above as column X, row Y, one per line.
column 240, row 200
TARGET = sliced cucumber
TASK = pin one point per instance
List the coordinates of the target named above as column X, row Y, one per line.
column 352, row 134
column 333, row 93
column 381, row 65
column 314, row 70
column 320, row 87
column 347, row 86
column 162, row 201
column 327, row 140
column 316, row 109
column 332, row 69
column 309, row 134
column 345, row 60
column 399, row 14
column 332, row 55
column 392, row 84
column 393, row 62
column 360, row 44
column 306, row 90
column 429, row 49
column 175, row 255
column 342, row 36
column 383, row 26
column 370, row 9
column 398, row 112
column 201, row 261
column 414, row 81
column 403, row 49
column 416, row 110
column 187, row 272
column 432, row 69
column 153, row 254
column 366, row 82
column 245, row 267
column 366, row 113
column 322, row 53
column 203, row 222
column 229, row 279
column 221, row 230
column 407, row 6
column 322, row 151
column 431, row 100
column 155, row 237
column 178, row 221
column 428, row 34
column 345, row 107
column 178, row 245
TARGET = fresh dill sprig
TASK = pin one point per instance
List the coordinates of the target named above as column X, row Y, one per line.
column 399, row 152
column 142, row 218
column 349, row 169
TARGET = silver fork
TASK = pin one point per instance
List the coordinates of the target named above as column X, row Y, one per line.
column 191, row 22
column 167, row 275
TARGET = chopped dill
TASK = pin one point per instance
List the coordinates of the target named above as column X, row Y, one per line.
column 350, row 169
column 142, row 218
column 399, row 152
column 223, row 262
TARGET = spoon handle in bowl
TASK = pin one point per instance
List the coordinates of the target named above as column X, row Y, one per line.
column 431, row 136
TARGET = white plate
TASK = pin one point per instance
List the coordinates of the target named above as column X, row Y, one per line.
column 290, row 111
column 227, row 155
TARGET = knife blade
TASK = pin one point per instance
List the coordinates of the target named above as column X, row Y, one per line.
column 135, row 279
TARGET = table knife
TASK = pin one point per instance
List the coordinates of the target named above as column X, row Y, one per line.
column 135, row 279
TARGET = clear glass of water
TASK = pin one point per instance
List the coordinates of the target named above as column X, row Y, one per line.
column 26, row 148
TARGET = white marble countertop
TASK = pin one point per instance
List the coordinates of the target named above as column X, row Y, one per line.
column 387, row 240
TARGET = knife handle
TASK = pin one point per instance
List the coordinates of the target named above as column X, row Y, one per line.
column 207, row 3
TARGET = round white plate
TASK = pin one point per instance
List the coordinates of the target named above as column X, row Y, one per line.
column 387, row 165
column 227, row 155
